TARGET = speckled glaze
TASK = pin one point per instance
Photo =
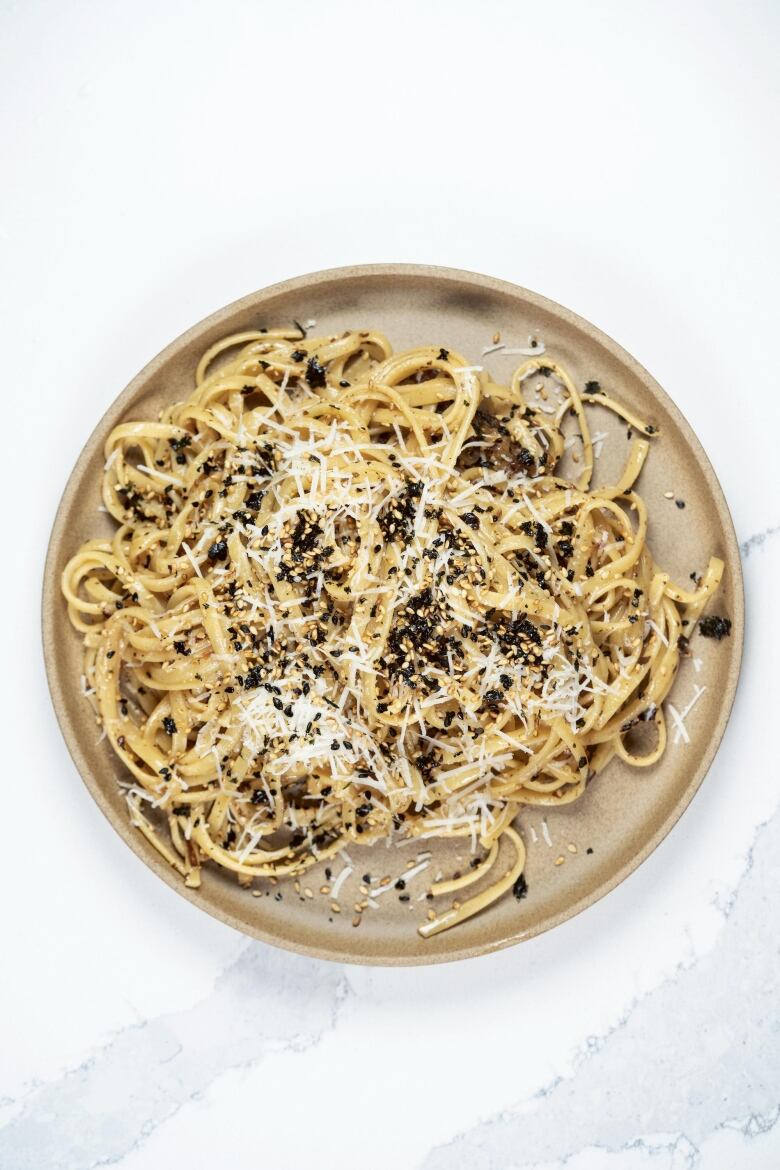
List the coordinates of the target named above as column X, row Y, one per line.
column 624, row 815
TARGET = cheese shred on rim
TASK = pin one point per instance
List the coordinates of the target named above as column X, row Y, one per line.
column 352, row 597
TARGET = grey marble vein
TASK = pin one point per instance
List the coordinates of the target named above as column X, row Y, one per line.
column 97, row 1113
column 756, row 1124
column 698, row 1054
column 757, row 539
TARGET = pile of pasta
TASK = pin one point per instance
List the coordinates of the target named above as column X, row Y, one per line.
column 351, row 596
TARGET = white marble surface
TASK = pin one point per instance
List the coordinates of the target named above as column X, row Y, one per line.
column 160, row 160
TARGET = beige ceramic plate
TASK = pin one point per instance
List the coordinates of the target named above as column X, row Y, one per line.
column 624, row 814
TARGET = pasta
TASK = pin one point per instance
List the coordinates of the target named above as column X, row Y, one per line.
column 352, row 596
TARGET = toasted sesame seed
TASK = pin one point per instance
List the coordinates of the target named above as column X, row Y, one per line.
column 337, row 909
column 431, row 915
column 559, row 860
column 571, row 847
column 356, row 920
column 324, row 889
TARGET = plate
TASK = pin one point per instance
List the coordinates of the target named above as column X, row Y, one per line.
column 625, row 813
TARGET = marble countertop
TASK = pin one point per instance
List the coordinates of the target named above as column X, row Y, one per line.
column 162, row 160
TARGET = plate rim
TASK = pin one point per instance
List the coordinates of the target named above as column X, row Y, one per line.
column 51, row 599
